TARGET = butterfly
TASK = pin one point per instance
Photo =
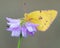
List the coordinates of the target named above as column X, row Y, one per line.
column 43, row 18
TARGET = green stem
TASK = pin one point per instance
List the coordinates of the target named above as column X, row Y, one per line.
column 19, row 41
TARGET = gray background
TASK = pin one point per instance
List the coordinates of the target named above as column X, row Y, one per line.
column 16, row 9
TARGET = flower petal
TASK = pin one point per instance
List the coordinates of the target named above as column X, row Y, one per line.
column 24, row 32
column 15, row 33
column 31, row 33
column 30, row 27
column 13, row 25
column 13, row 20
column 10, row 23
column 31, row 24
column 9, row 29
column 18, row 28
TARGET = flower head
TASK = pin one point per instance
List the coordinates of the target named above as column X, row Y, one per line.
column 16, row 28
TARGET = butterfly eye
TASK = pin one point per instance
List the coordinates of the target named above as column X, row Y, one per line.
column 40, row 18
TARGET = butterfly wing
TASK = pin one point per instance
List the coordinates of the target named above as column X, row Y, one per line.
column 43, row 18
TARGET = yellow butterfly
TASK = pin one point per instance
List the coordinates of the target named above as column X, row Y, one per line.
column 44, row 18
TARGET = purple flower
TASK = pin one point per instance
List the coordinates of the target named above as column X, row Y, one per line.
column 16, row 28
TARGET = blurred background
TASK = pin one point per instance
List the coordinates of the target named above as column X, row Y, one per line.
column 16, row 9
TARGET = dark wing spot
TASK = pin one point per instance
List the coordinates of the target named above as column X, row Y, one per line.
column 46, row 21
column 40, row 11
column 40, row 18
column 30, row 18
